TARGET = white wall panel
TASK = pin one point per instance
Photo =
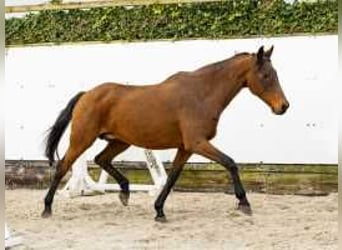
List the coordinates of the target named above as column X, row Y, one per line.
column 40, row 81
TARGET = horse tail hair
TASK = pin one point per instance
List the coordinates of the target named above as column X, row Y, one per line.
column 56, row 131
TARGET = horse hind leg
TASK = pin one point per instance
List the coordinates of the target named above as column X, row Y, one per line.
column 63, row 166
column 104, row 159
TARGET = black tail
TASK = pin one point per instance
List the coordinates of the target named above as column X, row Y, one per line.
column 57, row 130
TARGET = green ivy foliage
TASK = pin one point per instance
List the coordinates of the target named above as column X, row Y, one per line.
column 211, row 20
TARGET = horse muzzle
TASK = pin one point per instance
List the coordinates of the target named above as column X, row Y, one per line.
column 281, row 109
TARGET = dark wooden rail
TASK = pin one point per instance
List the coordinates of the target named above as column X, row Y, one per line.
column 203, row 177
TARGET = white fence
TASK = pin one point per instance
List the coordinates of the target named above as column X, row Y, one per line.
column 40, row 81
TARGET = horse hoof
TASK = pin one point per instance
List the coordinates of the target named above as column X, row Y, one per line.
column 124, row 197
column 161, row 219
column 246, row 209
column 46, row 214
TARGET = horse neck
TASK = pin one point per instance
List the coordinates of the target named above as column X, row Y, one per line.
column 227, row 82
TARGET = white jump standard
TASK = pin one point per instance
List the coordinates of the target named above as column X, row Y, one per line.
column 81, row 183
column 10, row 241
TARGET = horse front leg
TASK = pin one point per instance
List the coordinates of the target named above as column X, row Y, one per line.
column 207, row 150
column 181, row 157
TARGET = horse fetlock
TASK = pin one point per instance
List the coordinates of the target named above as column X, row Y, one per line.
column 245, row 208
column 124, row 193
column 161, row 219
column 240, row 194
column 47, row 212
column 124, row 185
column 242, row 199
column 160, row 213
column 124, row 198
column 158, row 207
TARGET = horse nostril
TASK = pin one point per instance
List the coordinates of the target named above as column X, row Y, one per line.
column 285, row 106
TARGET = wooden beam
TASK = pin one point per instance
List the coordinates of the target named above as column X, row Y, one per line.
column 92, row 4
column 266, row 178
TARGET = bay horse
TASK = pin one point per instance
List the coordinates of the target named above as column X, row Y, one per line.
column 181, row 112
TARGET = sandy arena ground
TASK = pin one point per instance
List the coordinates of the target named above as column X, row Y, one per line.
column 195, row 221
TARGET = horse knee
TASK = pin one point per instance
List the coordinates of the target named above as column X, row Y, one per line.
column 230, row 163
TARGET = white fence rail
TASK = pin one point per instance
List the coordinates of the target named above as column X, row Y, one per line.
column 40, row 80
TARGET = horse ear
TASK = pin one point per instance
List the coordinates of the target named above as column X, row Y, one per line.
column 260, row 55
column 268, row 53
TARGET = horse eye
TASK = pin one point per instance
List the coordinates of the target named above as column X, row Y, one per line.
column 266, row 76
